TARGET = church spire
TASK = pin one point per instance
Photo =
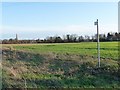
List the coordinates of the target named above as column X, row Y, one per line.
column 16, row 37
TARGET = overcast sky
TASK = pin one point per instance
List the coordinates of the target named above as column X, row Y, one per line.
column 41, row 19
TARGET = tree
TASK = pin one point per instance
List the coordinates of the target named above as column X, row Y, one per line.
column 58, row 39
column 109, row 36
column 80, row 39
column 68, row 38
column 38, row 41
column 87, row 38
column 102, row 37
column 73, row 37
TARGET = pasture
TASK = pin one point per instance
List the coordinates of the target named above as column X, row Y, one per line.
column 63, row 65
column 107, row 49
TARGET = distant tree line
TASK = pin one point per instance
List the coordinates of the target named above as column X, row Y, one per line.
column 67, row 39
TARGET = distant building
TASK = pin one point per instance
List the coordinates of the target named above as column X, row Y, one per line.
column 16, row 37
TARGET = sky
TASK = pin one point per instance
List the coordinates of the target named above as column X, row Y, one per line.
column 32, row 20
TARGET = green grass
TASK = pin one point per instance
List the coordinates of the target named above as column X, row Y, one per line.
column 68, row 65
column 107, row 49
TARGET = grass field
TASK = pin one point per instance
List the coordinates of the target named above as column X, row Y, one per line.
column 107, row 49
column 60, row 65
